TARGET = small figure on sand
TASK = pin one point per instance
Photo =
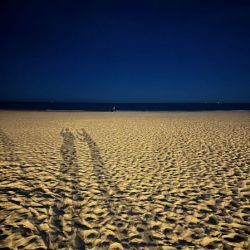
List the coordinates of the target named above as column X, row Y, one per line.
column 114, row 109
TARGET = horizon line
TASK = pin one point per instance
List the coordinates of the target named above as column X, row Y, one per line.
column 120, row 102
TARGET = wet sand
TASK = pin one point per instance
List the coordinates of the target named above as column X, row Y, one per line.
column 124, row 180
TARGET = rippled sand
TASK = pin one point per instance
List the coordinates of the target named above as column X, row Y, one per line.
column 124, row 180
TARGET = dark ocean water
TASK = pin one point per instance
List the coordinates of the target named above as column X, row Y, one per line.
column 123, row 106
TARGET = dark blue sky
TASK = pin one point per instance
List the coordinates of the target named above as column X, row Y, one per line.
column 125, row 51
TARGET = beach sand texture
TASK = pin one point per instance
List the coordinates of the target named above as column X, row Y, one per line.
column 124, row 180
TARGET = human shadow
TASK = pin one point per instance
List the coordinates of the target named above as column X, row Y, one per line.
column 107, row 185
column 16, row 170
column 67, row 190
column 8, row 147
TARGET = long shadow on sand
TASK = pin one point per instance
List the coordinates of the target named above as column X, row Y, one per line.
column 68, row 192
column 106, row 184
column 8, row 148
column 16, row 172
column 12, row 164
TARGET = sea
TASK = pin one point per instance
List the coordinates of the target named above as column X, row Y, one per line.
column 83, row 106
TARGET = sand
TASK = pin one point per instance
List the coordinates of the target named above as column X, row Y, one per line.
column 124, row 180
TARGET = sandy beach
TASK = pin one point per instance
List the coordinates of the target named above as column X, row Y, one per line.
column 124, row 180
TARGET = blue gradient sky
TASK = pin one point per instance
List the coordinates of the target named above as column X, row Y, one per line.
column 125, row 51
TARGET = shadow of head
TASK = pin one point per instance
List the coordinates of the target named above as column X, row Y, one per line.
column 68, row 137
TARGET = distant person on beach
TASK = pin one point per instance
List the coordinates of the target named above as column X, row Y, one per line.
column 114, row 109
